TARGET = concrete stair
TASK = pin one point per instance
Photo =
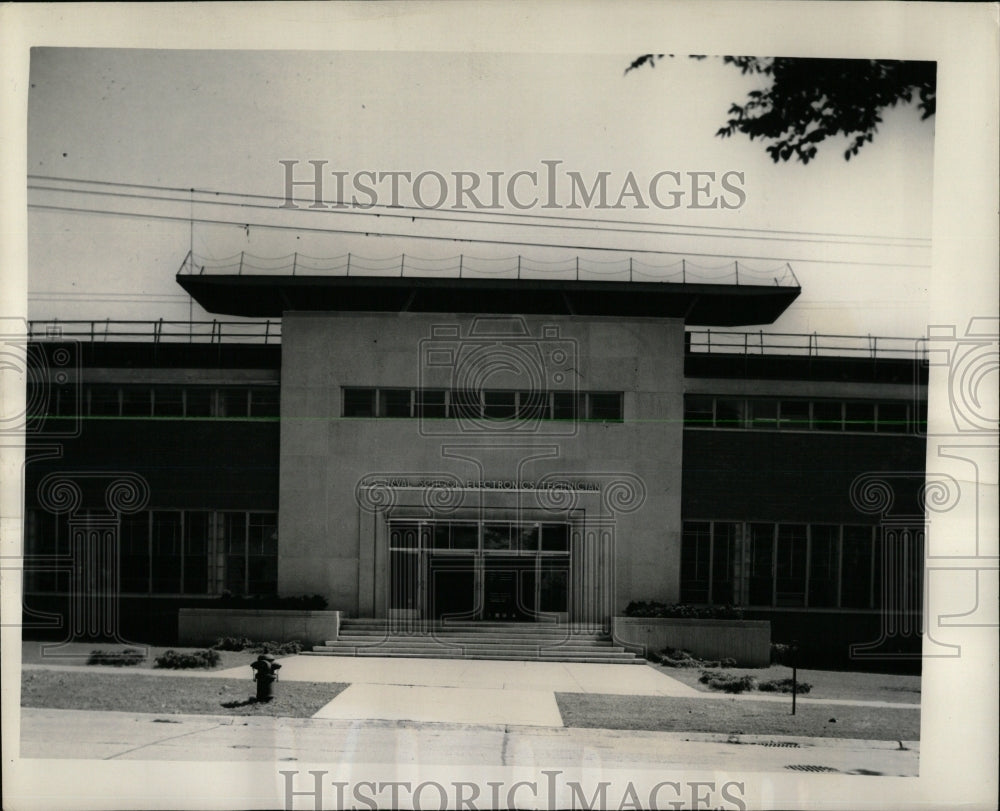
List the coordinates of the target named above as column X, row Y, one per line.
column 519, row 641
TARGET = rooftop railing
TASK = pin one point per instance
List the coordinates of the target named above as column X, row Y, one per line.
column 707, row 341
column 160, row 331
column 578, row 268
column 814, row 344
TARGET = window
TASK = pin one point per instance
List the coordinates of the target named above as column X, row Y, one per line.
column 198, row 402
column 431, row 403
column 262, row 553
column 168, row 401
column 696, row 545
column 234, row 402
column 856, row 577
column 104, row 401
column 395, row 403
column 166, row 563
column 566, row 405
column 790, row 565
column 606, row 407
column 196, row 546
column 265, row 401
column 698, row 412
column 359, row 402
column 765, row 414
column 496, row 536
column 555, row 537
column 725, row 561
column 824, row 552
column 500, row 405
column 136, row 401
column 761, row 578
column 133, row 553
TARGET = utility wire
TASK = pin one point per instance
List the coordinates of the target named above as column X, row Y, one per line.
column 469, row 240
column 349, row 208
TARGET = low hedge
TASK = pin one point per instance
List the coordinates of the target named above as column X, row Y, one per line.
column 655, row 610
column 118, row 658
column 183, row 660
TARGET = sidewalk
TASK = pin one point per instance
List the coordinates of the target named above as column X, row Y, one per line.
column 134, row 736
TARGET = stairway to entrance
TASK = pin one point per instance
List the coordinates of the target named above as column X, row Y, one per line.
column 524, row 641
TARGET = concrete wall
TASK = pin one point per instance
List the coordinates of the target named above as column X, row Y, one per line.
column 329, row 547
column 202, row 626
column 746, row 641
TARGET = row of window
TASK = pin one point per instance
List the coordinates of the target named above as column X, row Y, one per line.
column 884, row 417
column 165, row 551
column 475, row 536
column 108, row 400
column 490, row 405
column 794, row 565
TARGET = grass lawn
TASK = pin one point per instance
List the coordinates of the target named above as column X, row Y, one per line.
column 76, row 653
column 825, row 683
column 736, row 716
column 132, row 691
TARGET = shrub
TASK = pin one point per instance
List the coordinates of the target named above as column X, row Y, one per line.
column 119, row 658
column 655, row 610
column 728, row 682
column 783, row 686
column 280, row 648
column 304, row 602
column 236, row 643
column 241, row 643
column 183, row 660
column 672, row 657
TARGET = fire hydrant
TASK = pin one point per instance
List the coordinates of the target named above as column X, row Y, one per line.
column 265, row 673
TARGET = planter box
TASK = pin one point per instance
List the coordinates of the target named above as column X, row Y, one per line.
column 746, row 641
column 202, row 626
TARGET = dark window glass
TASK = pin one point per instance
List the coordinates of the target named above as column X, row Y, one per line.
column 566, row 405
column 233, row 402
column 725, row 551
column 464, row 536
column 465, row 404
column 921, row 420
column 528, row 537
column 431, row 403
column 359, row 402
column 856, row 578
column 824, row 545
column 859, row 416
column 794, row 415
column 104, row 401
column 827, row 415
column 134, row 552
column 892, row 418
column 496, row 536
column 441, row 537
column 235, row 544
column 136, row 401
column 499, row 405
column 265, row 401
column 698, row 412
column 168, row 401
column 166, row 552
column 532, row 405
column 198, row 401
column 729, row 413
column 196, row 537
column 790, row 565
column 262, row 562
column 764, row 414
column 760, row 581
column 66, row 401
column 553, row 585
column 394, row 402
column 695, row 556
column 606, row 407
column 555, row 537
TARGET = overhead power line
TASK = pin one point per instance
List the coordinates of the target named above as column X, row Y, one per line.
column 473, row 216
column 468, row 240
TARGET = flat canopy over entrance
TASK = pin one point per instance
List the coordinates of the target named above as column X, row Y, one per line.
column 709, row 305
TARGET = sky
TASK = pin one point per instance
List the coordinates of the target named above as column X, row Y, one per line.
column 856, row 233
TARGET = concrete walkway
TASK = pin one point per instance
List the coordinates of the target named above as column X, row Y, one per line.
column 350, row 743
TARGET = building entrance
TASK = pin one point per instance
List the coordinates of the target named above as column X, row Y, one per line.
column 495, row 571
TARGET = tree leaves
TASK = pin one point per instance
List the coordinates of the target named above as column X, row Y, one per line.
column 807, row 101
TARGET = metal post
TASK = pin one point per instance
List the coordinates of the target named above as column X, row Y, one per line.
column 241, row 264
column 683, row 272
column 737, row 265
column 630, row 268
column 795, row 673
column 519, row 266
column 402, row 262
column 348, row 264
column 461, row 258
column 578, row 268
column 295, row 259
